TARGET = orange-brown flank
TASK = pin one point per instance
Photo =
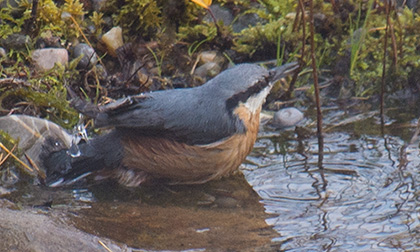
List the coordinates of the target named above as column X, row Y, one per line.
column 186, row 164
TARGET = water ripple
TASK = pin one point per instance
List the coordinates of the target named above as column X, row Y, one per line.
column 365, row 198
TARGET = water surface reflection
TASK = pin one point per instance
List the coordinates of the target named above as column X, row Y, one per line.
column 365, row 199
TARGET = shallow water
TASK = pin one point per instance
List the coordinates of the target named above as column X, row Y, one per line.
column 365, row 197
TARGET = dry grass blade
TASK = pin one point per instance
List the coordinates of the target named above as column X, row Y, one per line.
column 41, row 173
column 2, row 160
column 16, row 158
column 105, row 246
column 84, row 36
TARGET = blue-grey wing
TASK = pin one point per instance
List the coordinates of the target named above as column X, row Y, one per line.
column 183, row 115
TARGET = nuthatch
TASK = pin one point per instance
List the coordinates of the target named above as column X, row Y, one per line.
column 179, row 136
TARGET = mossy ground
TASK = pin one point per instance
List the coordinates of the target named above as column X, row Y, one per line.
column 167, row 37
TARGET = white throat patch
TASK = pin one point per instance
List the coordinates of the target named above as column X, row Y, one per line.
column 256, row 101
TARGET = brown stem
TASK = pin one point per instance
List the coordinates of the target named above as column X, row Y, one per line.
column 315, row 77
column 384, row 65
column 215, row 21
column 297, row 20
column 289, row 91
column 394, row 46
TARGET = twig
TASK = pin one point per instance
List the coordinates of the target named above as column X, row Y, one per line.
column 302, row 54
column 17, row 159
column 41, row 173
column 2, row 160
column 384, row 65
column 105, row 246
column 315, row 77
column 84, row 36
column 394, row 44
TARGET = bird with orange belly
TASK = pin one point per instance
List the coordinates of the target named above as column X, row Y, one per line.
column 179, row 136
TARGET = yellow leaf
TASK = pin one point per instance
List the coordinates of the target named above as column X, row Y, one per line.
column 203, row 3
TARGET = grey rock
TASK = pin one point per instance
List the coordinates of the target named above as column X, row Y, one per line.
column 89, row 59
column 30, row 231
column 14, row 4
column 211, row 56
column 15, row 41
column 211, row 64
column 32, row 133
column 45, row 59
column 209, row 69
column 220, row 13
column 245, row 21
column 287, row 117
column 6, row 3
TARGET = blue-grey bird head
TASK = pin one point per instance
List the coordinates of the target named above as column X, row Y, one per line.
column 248, row 84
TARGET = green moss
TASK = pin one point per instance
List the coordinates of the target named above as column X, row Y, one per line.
column 97, row 19
column 280, row 8
column 197, row 33
column 261, row 37
column 368, row 68
column 61, row 19
column 12, row 19
column 136, row 17
column 46, row 94
column 277, row 35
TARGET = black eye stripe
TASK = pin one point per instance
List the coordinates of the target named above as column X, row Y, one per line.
column 233, row 101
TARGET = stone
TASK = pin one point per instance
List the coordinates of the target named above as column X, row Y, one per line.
column 211, row 56
column 3, row 53
column 89, row 59
column 45, row 59
column 32, row 133
column 287, row 117
column 209, row 69
column 245, row 21
column 113, row 40
column 15, row 41
column 27, row 230
column 220, row 13
column 207, row 56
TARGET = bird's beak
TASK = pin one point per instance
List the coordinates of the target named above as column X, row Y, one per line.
column 282, row 71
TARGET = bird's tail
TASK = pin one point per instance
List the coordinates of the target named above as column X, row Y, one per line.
column 66, row 166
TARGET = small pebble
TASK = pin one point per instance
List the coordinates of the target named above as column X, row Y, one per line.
column 45, row 59
column 287, row 117
column 207, row 56
column 209, row 69
column 89, row 58
column 113, row 40
column 3, row 53
column 211, row 56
